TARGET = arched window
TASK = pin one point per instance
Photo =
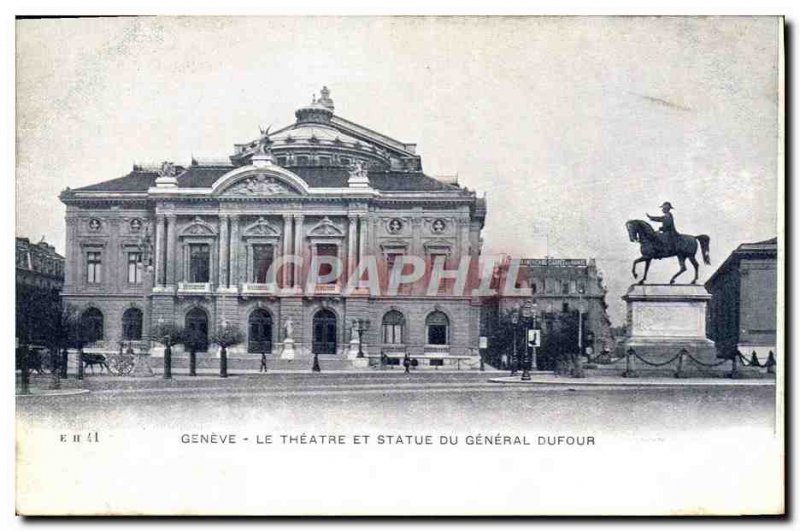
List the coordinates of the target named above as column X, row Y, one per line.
column 91, row 325
column 393, row 327
column 197, row 325
column 132, row 324
column 437, row 324
column 260, row 337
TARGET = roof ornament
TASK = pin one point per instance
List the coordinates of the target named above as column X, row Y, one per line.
column 167, row 175
column 325, row 98
column 262, row 154
column 263, row 143
column 357, row 175
column 167, row 169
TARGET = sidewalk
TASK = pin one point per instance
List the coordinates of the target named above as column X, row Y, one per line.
column 542, row 378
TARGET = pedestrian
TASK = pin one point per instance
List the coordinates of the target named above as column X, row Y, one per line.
column 263, row 362
column 407, row 363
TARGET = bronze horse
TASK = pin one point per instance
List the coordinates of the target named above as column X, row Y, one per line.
column 654, row 245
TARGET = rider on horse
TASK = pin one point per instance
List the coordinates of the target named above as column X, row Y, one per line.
column 670, row 238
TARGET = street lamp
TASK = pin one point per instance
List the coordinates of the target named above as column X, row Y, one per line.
column 580, row 321
column 529, row 312
column 514, row 321
column 362, row 325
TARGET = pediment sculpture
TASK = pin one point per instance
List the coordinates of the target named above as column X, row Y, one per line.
column 326, row 227
column 260, row 184
column 261, row 227
column 198, row 227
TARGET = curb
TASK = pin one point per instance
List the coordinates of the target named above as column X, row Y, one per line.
column 55, row 392
column 627, row 382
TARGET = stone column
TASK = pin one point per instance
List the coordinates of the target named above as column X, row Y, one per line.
column 234, row 252
column 362, row 237
column 286, row 248
column 224, row 251
column 172, row 238
column 463, row 224
column 352, row 220
column 160, row 233
column 299, row 249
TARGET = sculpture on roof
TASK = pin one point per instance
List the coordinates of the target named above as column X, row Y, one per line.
column 325, row 98
column 358, row 170
column 264, row 142
column 167, row 169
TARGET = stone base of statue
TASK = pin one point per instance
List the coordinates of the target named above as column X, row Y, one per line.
column 141, row 367
column 361, row 363
column 665, row 318
column 287, row 351
column 352, row 350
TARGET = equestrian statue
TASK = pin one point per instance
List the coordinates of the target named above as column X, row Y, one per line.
column 665, row 243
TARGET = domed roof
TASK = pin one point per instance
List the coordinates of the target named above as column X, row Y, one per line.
column 311, row 132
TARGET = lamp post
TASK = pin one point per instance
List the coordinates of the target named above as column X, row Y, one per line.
column 514, row 321
column 362, row 325
column 528, row 312
column 580, row 321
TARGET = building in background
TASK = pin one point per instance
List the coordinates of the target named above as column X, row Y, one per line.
column 39, row 265
column 569, row 289
column 742, row 314
column 39, row 279
column 321, row 186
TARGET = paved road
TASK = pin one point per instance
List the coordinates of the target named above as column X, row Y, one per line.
column 397, row 401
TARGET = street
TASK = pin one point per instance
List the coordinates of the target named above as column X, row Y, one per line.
column 446, row 401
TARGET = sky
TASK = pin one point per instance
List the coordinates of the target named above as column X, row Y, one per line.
column 570, row 126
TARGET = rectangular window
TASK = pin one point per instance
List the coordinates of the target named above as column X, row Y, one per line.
column 199, row 262
column 436, row 363
column 437, row 334
column 134, row 269
column 94, row 268
column 263, row 256
column 564, row 287
column 326, row 268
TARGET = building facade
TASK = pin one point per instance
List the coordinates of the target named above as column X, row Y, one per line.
column 255, row 240
column 38, row 265
column 39, row 280
column 742, row 314
column 562, row 286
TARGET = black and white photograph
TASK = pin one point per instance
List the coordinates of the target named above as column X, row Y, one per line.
column 399, row 265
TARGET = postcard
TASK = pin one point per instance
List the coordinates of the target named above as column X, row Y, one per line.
column 384, row 265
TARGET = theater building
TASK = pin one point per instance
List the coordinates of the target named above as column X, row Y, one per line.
column 223, row 234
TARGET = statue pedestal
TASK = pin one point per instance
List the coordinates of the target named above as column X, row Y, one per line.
column 664, row 318
column 287, row 352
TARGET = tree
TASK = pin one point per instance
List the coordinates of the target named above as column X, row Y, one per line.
column 61, row 331
column 559, row 350
column 501, row 341
column 226, row 336
column 168, row 334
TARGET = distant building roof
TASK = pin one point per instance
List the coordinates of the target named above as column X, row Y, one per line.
column 762, row 249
